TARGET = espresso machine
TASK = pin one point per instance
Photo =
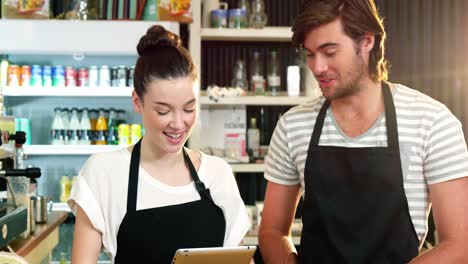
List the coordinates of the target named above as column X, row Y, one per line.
column 14, row 182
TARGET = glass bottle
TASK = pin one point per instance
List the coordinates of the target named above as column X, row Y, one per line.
column 93, row 116
column 274, row 73
column 258, row 17
column 257, row 80
column 101, row 128
column 66, row 125
column 112, row 128
column 240, row 78
column 56, row 130
column 74, row 128
column 85, row 126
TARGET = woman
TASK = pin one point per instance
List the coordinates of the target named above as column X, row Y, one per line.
column 146, row 201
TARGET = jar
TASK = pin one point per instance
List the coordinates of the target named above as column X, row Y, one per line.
column 237, row 18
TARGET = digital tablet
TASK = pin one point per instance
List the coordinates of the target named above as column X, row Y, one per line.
column 225, row 255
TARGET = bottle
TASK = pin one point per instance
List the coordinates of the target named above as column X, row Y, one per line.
column 253, row 138
column 64, row 188
column 258, row 18
column 257, row 81
column 112, row 130
column 93, row 116
column 294, row 80
column 274, row 73
column 85, row 127
column 74, row 128
column 240, row 78
column 66, row 125
column 101, row 128
column 57, row 130
column 3, row 71
column 244, row 5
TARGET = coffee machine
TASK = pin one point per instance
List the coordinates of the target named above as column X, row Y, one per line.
column 14, row 182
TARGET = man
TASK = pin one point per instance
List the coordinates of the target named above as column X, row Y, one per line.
column 369, row 157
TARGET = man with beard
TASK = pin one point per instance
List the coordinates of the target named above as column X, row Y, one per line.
column 369, row 157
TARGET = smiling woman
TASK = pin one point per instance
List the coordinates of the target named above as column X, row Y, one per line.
column 175, row 195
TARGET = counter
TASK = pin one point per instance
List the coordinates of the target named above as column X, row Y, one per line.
column 39, row 245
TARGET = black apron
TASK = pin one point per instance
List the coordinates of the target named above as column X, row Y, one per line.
column 355, row 208
column 153, row 235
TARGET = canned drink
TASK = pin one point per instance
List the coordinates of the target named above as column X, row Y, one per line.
column 83, row 77
column 14, row 75
column 113, row 73
column 93, row 76
column 58, row 76
column 122, row 76
column 47, row 76
column 135, row 133
column 71, row 77
column 36, row 76
column 123, row 134
column 131, row 72
column 104, row 76
column 25, row 76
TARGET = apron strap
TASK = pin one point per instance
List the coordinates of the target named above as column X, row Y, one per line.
column 199, row 185
column 133, row 178
column 319, row 124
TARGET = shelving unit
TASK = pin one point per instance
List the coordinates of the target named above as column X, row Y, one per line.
column 283, row 34
column 255, row 100
column 67, row 149
column 68, row 91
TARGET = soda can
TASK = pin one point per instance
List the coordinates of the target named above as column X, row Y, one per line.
column 135, row 133
column 58, row 76
column 131, row 72
column 122, row 76
column 93, row 76
column 83, row 77
column 25, row 76
column 123, row 134
column 47, row 76
column 14, row 76
column 113, row 72
column 36, row 76
column 71, row 77
column 104, row 76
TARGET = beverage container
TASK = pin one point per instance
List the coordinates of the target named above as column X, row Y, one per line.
column 47, row 76
column 135, row 133
column 258, row 17
column 274, row 73
column 124, row 134
column 57, row 130
column 58, row 76
column 66, row 125
column 4, row 64
column 74, row 128
column 14, row 76
column 65, row 185
column 122, row 76
column 36, row 76
column 294, row 81
column 113, row 76
column 253, row 138
column 83, row 77
column 257, row 80
column 130, row 74
column 237, row 18
column 93, row 117
column 112, row 130
column 71, row 77
column 218, row 17
column 101, row 128
column 25, row 76
column 85, row 126
column 93, row 76
column 207, row 7
column 240, row 76
column 244, row 5
column 104, row 76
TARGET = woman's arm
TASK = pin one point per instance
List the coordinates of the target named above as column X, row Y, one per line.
column 86, row 240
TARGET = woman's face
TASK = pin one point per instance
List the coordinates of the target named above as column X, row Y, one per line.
column 169, row 112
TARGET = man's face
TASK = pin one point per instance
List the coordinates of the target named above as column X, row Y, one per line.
column 336, row 60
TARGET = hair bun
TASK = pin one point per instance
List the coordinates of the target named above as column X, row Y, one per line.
column 155, row 38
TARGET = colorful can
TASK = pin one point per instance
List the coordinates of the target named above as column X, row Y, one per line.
column 36, row 76
column 47, row 76
column 121, row 76
column 58, row 76
column 83, row 77
column 123, row 134
column 93, row 76
column 14, row 75
column 135, row 133
column 104, row 76
column 25, row 76
column 113, row 73
column 71, row 76
column 131, row 72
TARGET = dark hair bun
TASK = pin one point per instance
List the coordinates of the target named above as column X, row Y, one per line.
column 155, row 38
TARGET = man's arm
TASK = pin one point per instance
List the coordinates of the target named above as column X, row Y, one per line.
column 450, row 210
column 278, row 214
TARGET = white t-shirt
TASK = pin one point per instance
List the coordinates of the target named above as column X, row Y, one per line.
column 102, row 185
column 432, row 146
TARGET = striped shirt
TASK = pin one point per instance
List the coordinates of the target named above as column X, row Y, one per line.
column 432, row 146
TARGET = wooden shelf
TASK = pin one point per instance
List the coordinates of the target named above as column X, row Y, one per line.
column 283, row 34
column 29, row 36
column 68, row 91
column 255, row 100
column 67, row 149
